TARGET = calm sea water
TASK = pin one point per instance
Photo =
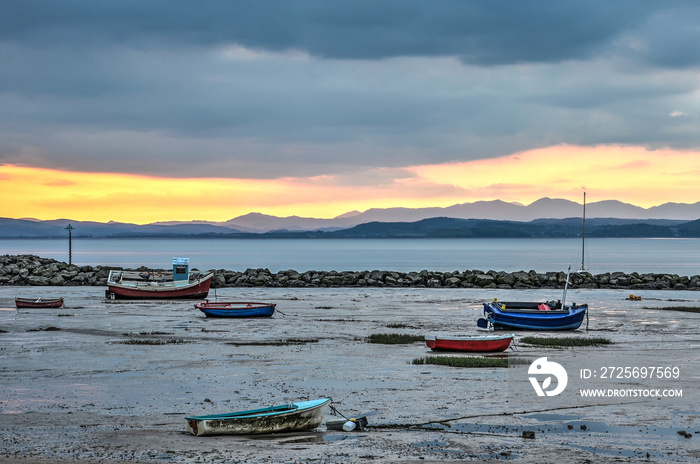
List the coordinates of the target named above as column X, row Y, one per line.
column 677, row 256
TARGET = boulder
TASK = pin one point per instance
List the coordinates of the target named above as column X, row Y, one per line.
column 484, row 280
column 38, row 280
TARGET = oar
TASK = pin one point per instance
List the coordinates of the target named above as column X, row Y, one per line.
column 566, row 286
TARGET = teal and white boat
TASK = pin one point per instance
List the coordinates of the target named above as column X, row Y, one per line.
column 291, row 417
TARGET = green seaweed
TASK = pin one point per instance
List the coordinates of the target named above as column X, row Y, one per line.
column 560, row 342
column 395, row 339
column 289, row 341
column 172, row 341
column 463, row 361
column 687, row 309
column 398, row 325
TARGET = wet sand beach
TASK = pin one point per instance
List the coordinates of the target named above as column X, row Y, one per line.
column 109, row 381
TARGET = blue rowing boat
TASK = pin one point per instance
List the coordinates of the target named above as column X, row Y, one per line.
column 550, row 315
column 236, row 309
column 533, row 316
column 292, row 417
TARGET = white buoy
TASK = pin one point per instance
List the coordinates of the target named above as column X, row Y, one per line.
column 349, row 426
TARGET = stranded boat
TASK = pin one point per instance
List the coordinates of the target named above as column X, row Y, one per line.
column 236, row 309
column 551, row 315
column 292, row 417
column 474, row 343
column 38, row 302
column 180, row 283
column 533, row 315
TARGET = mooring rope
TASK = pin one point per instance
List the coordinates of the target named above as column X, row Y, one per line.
column 338, row 412
column 503, row 414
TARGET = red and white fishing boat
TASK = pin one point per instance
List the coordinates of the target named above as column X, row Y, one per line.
column 471, row 343
column 178, row 284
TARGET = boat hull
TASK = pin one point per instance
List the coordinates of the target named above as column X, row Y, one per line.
column 293, row 417
column 236, row 309
column 476, row 344
column 38, row 303
column 163, row 291
column 526, row 316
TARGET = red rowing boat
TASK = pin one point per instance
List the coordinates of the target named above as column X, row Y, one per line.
column 38, row 302
column 474, row 343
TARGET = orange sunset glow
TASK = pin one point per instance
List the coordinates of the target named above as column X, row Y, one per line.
column 633, row 175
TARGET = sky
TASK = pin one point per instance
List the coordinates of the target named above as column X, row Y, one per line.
column 156, row 110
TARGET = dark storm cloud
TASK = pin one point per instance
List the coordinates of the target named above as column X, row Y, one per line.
column 491, row 32
column 269, row 88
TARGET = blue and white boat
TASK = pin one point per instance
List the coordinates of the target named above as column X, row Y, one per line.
column 291, row 417
column 533, row 315
column 550, row 315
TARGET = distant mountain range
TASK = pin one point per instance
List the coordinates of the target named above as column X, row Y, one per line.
column 545, row 217
column 545, row 208
column 539, row 228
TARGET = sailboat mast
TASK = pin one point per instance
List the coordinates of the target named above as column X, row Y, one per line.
column 583, row 242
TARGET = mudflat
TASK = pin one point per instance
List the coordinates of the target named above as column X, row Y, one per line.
column 105, row 381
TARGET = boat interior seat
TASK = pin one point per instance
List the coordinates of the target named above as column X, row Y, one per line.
column 533, row 311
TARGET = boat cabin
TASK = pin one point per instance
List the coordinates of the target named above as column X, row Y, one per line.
column 181, row 269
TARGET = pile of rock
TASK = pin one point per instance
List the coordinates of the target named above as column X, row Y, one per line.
column 455, row 279
column 33, row 270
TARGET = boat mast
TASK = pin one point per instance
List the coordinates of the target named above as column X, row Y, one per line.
column 583, row 241
column 566, row 287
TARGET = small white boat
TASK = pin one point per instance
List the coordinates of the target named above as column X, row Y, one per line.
column 292, row 417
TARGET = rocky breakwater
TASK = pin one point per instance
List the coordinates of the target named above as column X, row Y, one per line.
column 33, row 270
column 455, row 279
